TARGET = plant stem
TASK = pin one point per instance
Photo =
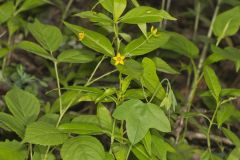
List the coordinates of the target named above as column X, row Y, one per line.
column 94, row 71
column 196, row 24
column 46, row 153
column 162, row 7
column 67, row 9
column 197, row 75
column 112, row 135
column 210, row 126
column 59, row 88
column 129, row 150
column 102, row 76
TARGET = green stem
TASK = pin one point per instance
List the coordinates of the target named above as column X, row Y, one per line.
column 59, row 88
column 196, row 24
column 94, row 71
column 210, row 126
column 106, row 74
column 198, row 73
column 67, row 9
column 129, row 150
column 46, row 153
column 112, row 135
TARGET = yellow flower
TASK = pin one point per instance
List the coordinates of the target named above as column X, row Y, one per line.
column 154, row 31
column 81, row 36
column 119, row 59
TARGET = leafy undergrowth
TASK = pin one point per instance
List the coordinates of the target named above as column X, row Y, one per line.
column 119, row 80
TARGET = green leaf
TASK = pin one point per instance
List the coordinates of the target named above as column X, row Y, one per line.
column 232, row 136
column 181, row 45
column 6, row 11
column 225, row 112
column 93, row 40
column 212, row 82
column 140, row 152
column 12, row 150
column 23, row 105
column 119, row 151
column 14, row 24
column 227, row 23
column 50, row 37
column 119, row 7
column 104, row 117
column 150, row 79
column 81, row 128
column 140, row 117
column 228, row 53
column 96, row 17
column 82, row 148
column 160, row 147
column 107, row 4
column 44, row 134
column 132, row 68
column 143, row 45
column 39, row 153
column 76, row 56
column 163, row 66
column 235, row 154
column 30, row 4
column 35, row 49
column 147, row 142
column 145, row 14
column 12, row 123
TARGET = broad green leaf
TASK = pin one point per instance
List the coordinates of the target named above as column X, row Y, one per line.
column 14, row 24
column 44, row 134
column 145, row 14
column 160, row 147
column 147, row 142
column 225, row 112
column 212, row 82
column 205, row 155
column 82, row 148
column 50, row 37
column 96, row 17
column 30, row 4
column 140, row 117
column 232, row 136
column 228, row 53
column 76, row 56
column 23, row 105
column 140, row 152
column 12, row 123
column 119, row 7
column 150, row 79
column 120, row 151
column 107, row 4
column 93, row 40
column 104, row 117
column 12, row 150
column 6, row 11
column 81, row 128
column 143, row 45
column 227, row 23
column 39, row 153
column 235, row 154
column 143, row 28
column 163, row 66
column 131, row 68
column 181, row 45
column 35, row 49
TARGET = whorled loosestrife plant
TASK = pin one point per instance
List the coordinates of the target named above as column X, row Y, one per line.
column 138, row 126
